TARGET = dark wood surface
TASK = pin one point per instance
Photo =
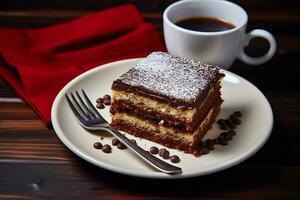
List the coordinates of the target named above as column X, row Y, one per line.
column 34, row 164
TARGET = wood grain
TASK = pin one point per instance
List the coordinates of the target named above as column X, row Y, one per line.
column 82, row 179
column 34, row 164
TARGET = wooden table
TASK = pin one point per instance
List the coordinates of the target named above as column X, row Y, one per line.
column 35, row 164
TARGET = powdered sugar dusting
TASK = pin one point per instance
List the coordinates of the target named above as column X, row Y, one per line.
column 177, row 78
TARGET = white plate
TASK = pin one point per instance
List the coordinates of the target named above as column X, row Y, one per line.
column 238, row 94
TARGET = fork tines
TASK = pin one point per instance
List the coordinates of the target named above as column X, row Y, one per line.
column 84, row 110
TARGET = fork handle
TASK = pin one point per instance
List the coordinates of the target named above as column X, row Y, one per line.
column 148, row 157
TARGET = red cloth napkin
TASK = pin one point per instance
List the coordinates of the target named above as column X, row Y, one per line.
column 37, row 63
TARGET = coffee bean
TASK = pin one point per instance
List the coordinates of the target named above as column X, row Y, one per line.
column 164, row 154
column 204, row 150
column 215, row 141
column 224, row 126
column 230, row 123
column 97, row 145
column 107, row 99
column 99, row 100
column 201, row 144
column 233, row 117
column 209, row 142
column 233, row 126
column 121, row 146
column 162, row 149
column 115, row 142
column 174, row 159
column 106, row 102
column 232, row 132
column 210, row 146
column 237, row 113
column 223, row 142
column 237, row 121
column 221, row 122
column 229, row 133
column 133, row 141
column 228, row 136
column 154, row 150
column 106, row 148
column 100, row 106
column 107, row 96
column 222, row 135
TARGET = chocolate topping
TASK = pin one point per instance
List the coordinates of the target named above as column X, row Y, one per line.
column 179, row 81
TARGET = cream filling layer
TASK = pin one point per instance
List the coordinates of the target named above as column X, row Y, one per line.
column 159, row 129
column 184, row 115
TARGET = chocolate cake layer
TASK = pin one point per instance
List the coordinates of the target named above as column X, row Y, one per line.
column 162, row 114
column 166, row 78
column 165, row 136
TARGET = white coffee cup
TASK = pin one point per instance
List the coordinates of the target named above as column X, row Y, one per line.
column 219, row 48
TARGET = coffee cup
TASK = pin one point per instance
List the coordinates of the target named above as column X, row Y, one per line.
column 219, row 48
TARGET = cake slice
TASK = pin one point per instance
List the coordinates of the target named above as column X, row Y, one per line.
column 166, row 99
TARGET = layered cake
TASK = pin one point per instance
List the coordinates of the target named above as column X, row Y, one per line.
column 166, row 99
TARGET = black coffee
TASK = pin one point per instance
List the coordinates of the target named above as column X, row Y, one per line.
column 205, row 24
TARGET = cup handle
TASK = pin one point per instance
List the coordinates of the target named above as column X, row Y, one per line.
column 262, row 59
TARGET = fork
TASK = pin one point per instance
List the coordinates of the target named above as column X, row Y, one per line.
column 89, row 118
